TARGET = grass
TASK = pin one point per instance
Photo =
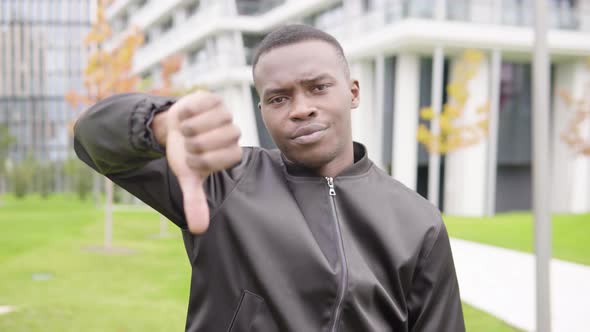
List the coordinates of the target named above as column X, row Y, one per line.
column 144, row 291
column 571, row 233
column 88, row 291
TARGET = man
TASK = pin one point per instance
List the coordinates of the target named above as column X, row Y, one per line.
column 310, row 237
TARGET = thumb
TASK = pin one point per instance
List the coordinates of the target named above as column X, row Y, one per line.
column 196, row 209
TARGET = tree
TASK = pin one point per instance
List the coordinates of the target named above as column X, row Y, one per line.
column 110, row 72
column 573, row 135
column 170, row 66
column 455, row 132
column 107, row 72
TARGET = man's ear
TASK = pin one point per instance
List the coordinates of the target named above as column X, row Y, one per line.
column 355, row 93
column 259, row 106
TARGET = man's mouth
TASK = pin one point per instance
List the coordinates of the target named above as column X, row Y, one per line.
column 310, row 133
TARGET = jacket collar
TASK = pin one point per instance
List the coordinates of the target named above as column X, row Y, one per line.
column 361, row 165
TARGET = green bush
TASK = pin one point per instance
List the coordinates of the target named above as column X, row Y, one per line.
column 22, row 177
column 80, row 177
column 21, row 182
column 46, row 179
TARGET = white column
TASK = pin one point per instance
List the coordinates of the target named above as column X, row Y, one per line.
column 353, row 10
column 465, row 168
column 570, row 171
column 238, row 99
column 583, row 13
column 364, row 117
column 494, row 115
column 440, row 9
column 179, row 17
column 405, row 119
column 496, row 12
column 436, row 102
column 378, row 108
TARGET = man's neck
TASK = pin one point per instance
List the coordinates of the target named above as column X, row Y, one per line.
column 338, row 164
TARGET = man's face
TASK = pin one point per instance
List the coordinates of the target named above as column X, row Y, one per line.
column 306, row 97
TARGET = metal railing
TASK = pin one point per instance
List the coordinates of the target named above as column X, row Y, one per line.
column 501, row 12
column 253, row 7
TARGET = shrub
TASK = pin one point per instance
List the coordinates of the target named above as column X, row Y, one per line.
column 80, row 176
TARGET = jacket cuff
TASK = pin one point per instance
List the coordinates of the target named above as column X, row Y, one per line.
column 141, row 135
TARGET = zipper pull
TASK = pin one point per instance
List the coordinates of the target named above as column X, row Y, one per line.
column 331, row 185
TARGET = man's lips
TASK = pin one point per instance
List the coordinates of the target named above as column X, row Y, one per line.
column 310, row 133
column 308, row 130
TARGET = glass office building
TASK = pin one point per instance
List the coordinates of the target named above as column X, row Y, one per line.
column 42, row 57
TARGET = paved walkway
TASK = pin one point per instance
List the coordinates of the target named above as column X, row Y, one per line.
column 4, row 309
column 501, row 282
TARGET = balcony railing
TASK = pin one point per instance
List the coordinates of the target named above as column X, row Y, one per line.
column 501, row 12
column 256, row 7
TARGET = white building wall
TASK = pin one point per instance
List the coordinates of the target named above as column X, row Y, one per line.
column 238, row 100
column 570, row 171
column 364, row 37
column 465, row 168
column 405, row 119
column 365, row 117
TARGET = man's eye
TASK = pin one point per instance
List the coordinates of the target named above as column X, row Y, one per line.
column 320, row 87
column 277, row 100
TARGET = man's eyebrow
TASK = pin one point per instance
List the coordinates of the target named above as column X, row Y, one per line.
column 315, row 79
column 276, row 91
column 306, row 81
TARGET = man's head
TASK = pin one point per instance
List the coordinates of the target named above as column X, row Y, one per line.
column 306, row 96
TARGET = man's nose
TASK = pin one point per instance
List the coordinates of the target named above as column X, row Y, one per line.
column 302, row 109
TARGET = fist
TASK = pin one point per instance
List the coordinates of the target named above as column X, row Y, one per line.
column 201, row 139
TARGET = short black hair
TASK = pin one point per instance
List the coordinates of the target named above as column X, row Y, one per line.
column 292, row 34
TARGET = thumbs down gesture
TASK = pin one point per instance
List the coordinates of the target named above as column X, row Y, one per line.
column 200, row 139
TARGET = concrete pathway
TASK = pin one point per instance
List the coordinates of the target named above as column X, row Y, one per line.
column 501, row 282
column 4, row 309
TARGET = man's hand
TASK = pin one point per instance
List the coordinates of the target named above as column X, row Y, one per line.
column 200, row 139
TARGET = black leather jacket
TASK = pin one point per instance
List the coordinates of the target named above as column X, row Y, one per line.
column 287, row 250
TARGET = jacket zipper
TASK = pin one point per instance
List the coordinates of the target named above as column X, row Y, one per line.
column 344, row 276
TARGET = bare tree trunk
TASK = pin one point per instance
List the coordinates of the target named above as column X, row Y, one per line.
column 96, row 189
column 2, row 189
column 108, row 214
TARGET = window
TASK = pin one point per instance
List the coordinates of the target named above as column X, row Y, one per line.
column 250, row 43
column 197, row 55
column 167, row 25
column 192, row 8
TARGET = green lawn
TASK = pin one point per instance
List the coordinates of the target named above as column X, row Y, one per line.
column 88, row 291
column 571, row 233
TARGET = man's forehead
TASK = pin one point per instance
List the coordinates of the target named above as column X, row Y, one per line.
column 300, row 49
column 283, row 81
column 300, row 61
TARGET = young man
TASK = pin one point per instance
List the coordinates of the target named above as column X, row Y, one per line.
column 309, row 237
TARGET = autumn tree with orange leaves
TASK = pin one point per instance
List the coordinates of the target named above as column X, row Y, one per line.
column 455, row 129
column 454, row 132
column 574, row 134
column 107, row 72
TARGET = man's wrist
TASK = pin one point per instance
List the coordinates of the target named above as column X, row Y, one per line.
column 159, row 127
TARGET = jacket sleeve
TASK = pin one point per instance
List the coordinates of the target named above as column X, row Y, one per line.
column 434, row 302
column 114, row 138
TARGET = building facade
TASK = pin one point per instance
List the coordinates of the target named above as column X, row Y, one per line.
column 42, row 57
column 404, row 53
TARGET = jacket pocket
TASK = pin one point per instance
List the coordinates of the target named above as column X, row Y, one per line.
column 248, row 307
